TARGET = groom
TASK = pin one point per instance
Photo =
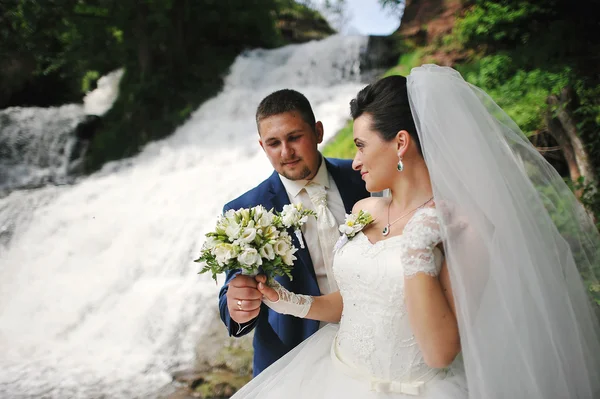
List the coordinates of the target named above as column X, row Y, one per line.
column 289, row 135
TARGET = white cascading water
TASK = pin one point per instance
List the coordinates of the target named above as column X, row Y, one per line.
column 39, row 145
column 99, row 297
column 29, row 156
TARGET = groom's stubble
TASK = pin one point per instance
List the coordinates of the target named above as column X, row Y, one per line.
column 291, row 144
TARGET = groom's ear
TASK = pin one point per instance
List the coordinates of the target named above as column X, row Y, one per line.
column 319, row 131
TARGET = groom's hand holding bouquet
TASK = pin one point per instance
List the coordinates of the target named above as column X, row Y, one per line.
column 251, row 242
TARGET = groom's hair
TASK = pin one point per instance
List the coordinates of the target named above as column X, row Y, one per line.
column 285, row 100
column 387, row 102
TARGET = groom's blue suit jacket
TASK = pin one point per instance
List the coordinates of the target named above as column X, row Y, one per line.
column 276, row 334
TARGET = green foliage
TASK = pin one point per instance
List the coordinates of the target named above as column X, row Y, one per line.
column 499, row 22
column 297, row 9
column 587, row 111
column 88, row 79
column 531, row 50
column 406, row 62
column 174, row 53
column 549, row 34
column 62, row 40
column 342, row 145
column 522, row 94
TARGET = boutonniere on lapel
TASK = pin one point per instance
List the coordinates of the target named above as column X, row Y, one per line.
column 293, row 216
column 354, row 223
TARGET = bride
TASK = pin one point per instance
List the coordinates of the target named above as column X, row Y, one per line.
column 463, row 286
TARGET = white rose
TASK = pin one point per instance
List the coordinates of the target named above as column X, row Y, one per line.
column 266, row 219
column 267, row 252
column 233, row 231
column 224, row 252
column 250, row 257
column 281, row 247
column 248, row 235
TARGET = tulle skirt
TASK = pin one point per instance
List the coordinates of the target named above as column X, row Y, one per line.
column 311, row 370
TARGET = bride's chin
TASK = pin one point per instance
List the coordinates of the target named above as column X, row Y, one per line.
column 373, row 188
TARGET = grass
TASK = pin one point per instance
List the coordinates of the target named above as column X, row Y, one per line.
column 342, row 145
column 406, row 62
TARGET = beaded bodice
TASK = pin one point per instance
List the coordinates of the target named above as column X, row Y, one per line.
column 375, row 335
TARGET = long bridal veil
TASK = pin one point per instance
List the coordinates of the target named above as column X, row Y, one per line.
column 521, row 250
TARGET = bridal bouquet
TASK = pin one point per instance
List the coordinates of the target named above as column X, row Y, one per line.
column 254, row 240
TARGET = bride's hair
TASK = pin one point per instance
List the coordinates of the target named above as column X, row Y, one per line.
column 387, row 102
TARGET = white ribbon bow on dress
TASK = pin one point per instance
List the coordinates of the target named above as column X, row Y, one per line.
column 407, row 388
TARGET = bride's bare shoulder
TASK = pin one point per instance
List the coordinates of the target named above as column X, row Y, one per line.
column 373, row 205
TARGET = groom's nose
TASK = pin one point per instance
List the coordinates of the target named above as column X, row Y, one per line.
column 286, row 150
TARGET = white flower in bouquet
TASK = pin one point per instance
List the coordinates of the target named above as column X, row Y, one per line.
column 253, row 240
column 233, row 231
column 282, row 246
column 210, row 243
column 263, row 218
column 270, row 233
column 224, row 252
column 267, row 251
column 249, row 257
column 248, row 235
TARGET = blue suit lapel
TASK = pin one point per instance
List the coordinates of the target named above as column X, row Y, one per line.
column 279, row 198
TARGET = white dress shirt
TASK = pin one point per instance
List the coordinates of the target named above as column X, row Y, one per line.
column 297, row 194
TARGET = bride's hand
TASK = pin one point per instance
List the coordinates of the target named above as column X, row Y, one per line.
column 265, row 290
column 278, row 298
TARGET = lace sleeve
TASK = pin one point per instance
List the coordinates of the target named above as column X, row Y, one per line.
column 419, row 253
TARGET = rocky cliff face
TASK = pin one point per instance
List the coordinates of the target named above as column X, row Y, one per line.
column 425, row 24
column 301, row 27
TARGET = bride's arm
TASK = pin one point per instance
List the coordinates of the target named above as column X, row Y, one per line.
column 326, row 308
column 431, row 312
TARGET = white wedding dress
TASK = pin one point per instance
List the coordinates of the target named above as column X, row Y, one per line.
column 372, row 353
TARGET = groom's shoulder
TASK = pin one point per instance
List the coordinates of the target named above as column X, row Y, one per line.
column 254, row 196
column 340, row 162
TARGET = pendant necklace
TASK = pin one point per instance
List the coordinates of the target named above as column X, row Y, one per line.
column 386, row 229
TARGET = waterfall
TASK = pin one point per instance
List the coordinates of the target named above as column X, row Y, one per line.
column 39, row 145
column 99, row 297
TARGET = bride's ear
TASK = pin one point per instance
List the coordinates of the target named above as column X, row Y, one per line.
column 403, row 140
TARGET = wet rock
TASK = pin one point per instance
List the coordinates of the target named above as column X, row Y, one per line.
column 223, row 365
column 380, row 54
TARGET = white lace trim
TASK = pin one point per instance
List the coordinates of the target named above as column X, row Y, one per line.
column 289, row 302
column 421, row 235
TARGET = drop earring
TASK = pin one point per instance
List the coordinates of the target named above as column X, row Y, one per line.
column 400, row 166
